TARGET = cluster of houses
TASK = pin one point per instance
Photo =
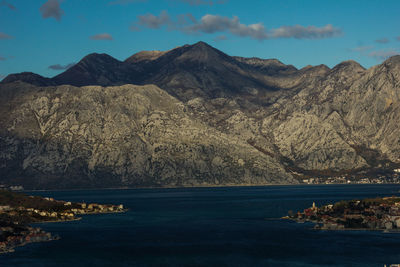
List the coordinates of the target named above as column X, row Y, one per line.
column 12, row 187
column 68, row 212
column 95, row 208
column 14, row 231
column 379, row 215
column 379, row 179
column 10, row 238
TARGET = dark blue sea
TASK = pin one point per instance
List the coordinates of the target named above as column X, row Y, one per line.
column 226, row 226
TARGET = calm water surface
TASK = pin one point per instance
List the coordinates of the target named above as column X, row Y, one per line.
column 237, row 226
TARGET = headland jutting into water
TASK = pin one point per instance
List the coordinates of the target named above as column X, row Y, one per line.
column 18, row 211
column 367, row 214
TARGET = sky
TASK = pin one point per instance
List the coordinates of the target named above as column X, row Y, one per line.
column 48, row 36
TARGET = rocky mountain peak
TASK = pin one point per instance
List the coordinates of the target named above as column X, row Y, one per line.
column 93, row 69
column 201, row 52
column 144, row 56
column 256, row 61
column 392, row 62
column 316, row 67
column 201, row 45
column 95, row 58
column 268, row 66
column 318, row 70
column 348, row 65
column 28, row 77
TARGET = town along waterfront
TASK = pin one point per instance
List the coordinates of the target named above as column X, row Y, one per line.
column 18, row 210
column 235, row 226
column 366, row 214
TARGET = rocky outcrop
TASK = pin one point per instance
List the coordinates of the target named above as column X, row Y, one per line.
column 145, row 56
column 120, row 136
column 210, row 119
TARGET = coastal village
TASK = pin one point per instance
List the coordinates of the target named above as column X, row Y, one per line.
column 17, row 211
column 387, row 178
column 367, row 214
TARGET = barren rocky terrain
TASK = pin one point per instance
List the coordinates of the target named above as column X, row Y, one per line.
column 194, row 116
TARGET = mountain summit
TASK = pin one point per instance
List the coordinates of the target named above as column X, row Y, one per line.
column 93, row 69
column 195, row 116
column 185, row 72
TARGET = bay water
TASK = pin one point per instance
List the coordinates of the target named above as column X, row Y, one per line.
column 221, row 226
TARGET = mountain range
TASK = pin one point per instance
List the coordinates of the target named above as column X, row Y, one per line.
column 195, row 116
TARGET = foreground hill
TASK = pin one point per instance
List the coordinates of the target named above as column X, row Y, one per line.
column 119, row 136
column 209, row 119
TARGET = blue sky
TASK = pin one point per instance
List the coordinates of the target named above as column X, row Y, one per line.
column 37, row 34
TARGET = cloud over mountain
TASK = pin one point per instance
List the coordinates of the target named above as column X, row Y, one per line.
column 61, row 67
column 210, row 24
column 52, row 9
column 214, row 23
column 309, row 32
column 154, row 22
column 203, row 2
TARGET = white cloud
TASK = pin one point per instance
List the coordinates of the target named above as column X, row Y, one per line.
column 219, row 24
column 154, row 22
column 308, row 32
column 213, row 24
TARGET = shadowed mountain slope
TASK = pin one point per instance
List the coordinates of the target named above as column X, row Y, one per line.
column 198, row 117
column 186, row 72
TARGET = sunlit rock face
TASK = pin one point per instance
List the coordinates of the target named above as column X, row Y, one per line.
column 120, row 136
column 195, row 117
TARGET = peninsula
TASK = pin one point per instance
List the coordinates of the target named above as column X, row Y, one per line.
column 367, row 214
column 18, row 211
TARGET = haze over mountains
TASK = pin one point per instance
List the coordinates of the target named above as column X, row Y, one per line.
column 195, row 116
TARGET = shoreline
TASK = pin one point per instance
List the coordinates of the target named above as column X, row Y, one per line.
column 12, row 249
column 197, row 186
column 372, row 214
column 49, row 236
column 22, row 216
column 340, row 229
column 56, row 221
